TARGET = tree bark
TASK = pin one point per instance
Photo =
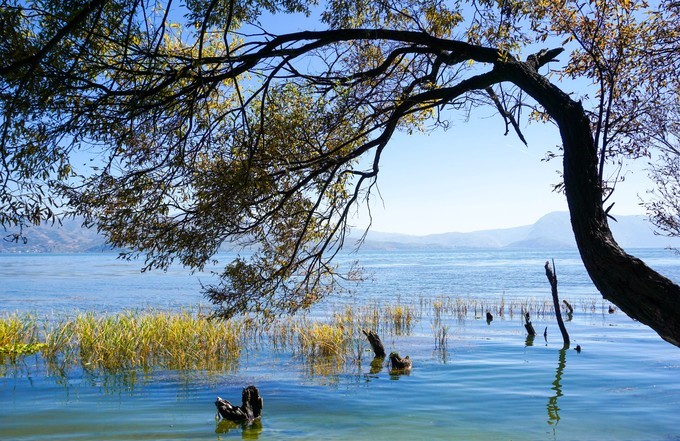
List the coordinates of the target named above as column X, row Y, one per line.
column 625, row 280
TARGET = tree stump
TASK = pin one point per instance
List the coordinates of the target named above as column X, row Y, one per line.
column 398, row 364
column 250, row 409
column 376, row 344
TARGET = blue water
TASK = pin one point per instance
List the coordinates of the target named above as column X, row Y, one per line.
column 489, row 383
column 49, row 283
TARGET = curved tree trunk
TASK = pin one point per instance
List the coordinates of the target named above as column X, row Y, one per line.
column 625, row 280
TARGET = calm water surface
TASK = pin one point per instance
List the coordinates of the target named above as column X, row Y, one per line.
column 488, row 384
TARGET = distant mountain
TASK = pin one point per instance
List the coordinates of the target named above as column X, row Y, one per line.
column 549, row 232
column 69, row 237
column 552, row 231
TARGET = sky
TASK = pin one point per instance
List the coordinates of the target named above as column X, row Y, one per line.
column 473, row 178
column 470, row 177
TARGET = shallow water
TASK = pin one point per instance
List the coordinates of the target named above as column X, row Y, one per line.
column 487, row 383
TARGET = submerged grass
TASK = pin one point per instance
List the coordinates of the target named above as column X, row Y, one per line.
column 132, row 339
column 174, row 340
column 17, row 329
column 186, row 340
column 18, row 336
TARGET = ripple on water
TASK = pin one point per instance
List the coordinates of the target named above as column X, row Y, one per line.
column 487, row 385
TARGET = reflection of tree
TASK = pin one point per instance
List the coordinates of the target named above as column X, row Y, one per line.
column 553, row 409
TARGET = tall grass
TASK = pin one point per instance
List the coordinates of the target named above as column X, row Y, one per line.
column 439, row 330
column 400, row 318
column 186, row 340
column 17, row 329
column 18, row 336
column 316, row 339
column 175, row 340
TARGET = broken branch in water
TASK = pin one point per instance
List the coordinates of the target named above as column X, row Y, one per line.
column 552, row 278
column 528, row 326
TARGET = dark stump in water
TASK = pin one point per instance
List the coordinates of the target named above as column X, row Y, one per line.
column 250, row 409
column 399, row 364
column 376, row 344
column 529, row 327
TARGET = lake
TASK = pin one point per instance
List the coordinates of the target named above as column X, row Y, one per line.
column 488, row 382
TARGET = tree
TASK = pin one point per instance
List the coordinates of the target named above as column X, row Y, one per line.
column 206, row 129
column 664, row 207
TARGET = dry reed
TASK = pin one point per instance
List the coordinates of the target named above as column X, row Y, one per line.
column 186, row 340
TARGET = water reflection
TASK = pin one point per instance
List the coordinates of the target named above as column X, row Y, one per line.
column 377, row 365
column 396, row 374
column 107, row 382
column 530, row 340
column 249, row 430
column 324, row 369
column 553, row 408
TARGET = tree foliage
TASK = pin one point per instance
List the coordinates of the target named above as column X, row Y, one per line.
column 630, row 53
column 200, row 128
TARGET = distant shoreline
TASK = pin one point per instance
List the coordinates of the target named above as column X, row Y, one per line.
column 552, row 231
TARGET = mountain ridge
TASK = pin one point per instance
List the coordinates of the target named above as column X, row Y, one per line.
column 551, row 231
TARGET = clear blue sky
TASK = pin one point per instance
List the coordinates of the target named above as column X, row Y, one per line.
column 472, row 177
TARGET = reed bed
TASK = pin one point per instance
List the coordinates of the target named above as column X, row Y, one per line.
column 439, row 330
column 472, row 307
column 133, row 339
column 19, row 336
column 187, row 340
column 174, row 340
column 400, row 318
column 393, row 319
column 316, row 339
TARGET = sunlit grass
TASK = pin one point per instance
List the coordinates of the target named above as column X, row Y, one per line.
column 321, row 339
column 18, row 336
column 400, row 318
column 15, row 328
column 175, row 340
column 187, row 340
